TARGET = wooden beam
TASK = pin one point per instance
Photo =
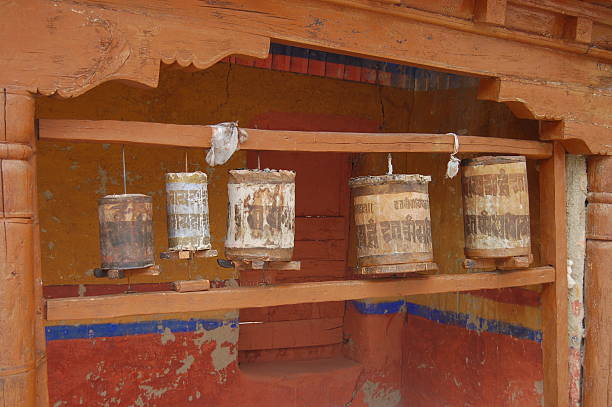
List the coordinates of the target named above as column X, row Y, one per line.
column 111, row 131
column 554, row 296
column 111, row 306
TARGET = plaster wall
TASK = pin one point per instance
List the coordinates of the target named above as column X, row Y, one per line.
column 576, row 195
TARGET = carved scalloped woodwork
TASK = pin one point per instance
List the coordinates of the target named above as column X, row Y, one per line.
column 66, row 48
column 581, row 119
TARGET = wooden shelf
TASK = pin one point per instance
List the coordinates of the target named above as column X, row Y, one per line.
column 110, row 306
column 110, row 131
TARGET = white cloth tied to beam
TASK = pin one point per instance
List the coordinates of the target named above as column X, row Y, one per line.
column 452, row 168
column 226, row 139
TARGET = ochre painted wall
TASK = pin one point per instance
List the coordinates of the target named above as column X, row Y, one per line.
column 179, row 359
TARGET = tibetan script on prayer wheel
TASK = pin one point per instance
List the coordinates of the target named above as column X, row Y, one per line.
column 392, row 219
column 126, row 231
column 496, row 207
column 261, row 215
column 187, row 208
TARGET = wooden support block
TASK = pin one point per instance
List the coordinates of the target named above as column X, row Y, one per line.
column 115, row 274
column 184, row 286
column 392, row 269
column 579, row 29
column 504, row 263
column 267, row 265
column 187, row 254
column 147, row 271
column 119, row 274
column 490, row 11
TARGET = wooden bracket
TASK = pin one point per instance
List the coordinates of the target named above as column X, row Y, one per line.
column 188, row 254
column 395, row 270
column 116, row 274
column 266, row 265
column 185, row 286
column 503, row 263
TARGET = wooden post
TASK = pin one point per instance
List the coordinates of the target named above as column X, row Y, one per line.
column 19, row 270
column 554, row 296
column 598, row 284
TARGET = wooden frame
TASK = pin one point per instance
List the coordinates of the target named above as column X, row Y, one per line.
column 88, row 43
column 111, row 306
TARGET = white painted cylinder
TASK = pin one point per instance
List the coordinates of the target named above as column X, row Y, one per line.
column 187, row 209
column 261, row 215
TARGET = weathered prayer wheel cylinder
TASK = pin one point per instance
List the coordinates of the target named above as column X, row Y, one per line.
column 392, row 220
column 496, row 207
column 126, row 231
column 261, row 215
column 187, row 209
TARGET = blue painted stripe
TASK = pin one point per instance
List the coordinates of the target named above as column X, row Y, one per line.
column 380, row 308
column 450, row 318
column 59, row 332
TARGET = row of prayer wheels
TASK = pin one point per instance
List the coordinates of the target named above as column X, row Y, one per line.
column 392, row 217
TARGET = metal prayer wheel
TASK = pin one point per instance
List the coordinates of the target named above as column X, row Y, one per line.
column 496, row 207
column 261, row 215
column 393, row 221
column 187, row 210
column 126, row 231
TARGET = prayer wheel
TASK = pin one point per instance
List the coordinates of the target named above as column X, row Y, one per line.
column 393, row 222
column 187, row 209
column 261, row 215
column 496, row 207
column 126, row 231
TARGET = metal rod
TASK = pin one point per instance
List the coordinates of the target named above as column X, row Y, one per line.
column 124, row 176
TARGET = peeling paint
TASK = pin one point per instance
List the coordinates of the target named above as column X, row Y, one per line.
column 167, row 336
column 187, row 362
column 380, row 397
column 151, row 392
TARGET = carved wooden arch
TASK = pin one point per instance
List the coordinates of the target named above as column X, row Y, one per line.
column 65, row 48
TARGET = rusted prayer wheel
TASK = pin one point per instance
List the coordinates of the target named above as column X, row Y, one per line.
column 126, row 231
column 393, row 223
column 496, row 207
column 261, row 215
column 187, row 209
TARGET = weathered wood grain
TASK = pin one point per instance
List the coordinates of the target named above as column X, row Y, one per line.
column 247, row 297
column 112, row 131
column 21, row 350
column 598, row 307
column 554, row 296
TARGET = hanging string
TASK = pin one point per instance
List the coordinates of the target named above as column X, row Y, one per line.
column 258, row 161
column 186, row 161
column 124, row 176
column 452, row 168
column 389, row 164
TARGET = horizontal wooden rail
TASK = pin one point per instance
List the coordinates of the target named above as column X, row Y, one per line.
column 111, row 131
column 110, row 306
